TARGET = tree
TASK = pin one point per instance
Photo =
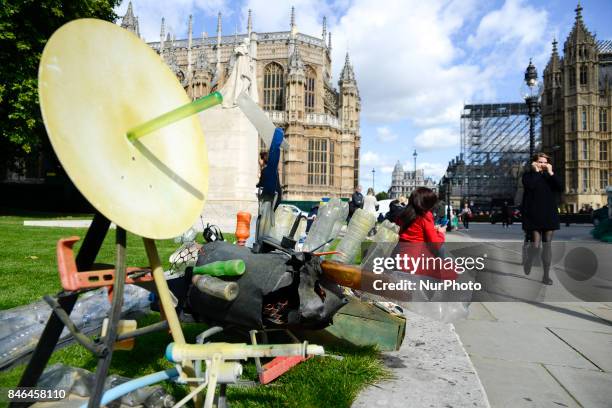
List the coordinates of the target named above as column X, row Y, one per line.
column 25, row 27
column 382, row 196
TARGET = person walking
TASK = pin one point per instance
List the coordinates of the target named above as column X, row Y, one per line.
column 539, row 213
column 466, row 214
column 506, row 214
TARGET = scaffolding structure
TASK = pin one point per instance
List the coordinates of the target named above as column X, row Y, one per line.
column 494, row 148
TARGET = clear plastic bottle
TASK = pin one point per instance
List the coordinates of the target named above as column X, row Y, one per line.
column 384, row 241
column 330, row 219
column 283, row 221
column 361, row 223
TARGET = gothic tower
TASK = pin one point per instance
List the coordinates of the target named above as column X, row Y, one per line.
column 349, row 109
column 581, row 93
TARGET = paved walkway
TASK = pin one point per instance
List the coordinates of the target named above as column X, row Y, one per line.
column 430, row 370
column 539, row 354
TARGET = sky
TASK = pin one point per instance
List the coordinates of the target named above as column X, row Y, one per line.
column 416, row 62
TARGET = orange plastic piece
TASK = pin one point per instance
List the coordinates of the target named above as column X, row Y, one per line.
column 243, row 227
column 279, row 366
column 73, row 280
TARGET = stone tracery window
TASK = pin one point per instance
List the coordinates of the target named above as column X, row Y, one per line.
column 584, row 75
column 317, row 161
column 274, row 87
column 309, row 90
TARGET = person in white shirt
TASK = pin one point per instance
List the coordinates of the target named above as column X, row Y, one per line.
column 369, row 202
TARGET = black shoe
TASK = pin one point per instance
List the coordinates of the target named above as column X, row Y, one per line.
column 547, row 281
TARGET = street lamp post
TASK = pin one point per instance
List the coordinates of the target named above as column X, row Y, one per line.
column 373, row 185
column 448, row 177
column 415, row 180
column 531, row 92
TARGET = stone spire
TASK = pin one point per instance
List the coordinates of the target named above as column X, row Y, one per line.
column 296, row 65
column 162, row 35
column 249, row 24
column 347, row 74
column 329, row 47
column 324, row 34
column 293, row 26
column 189, row 43
column 580, row 33
column 578, row 11
column 218, row 67
column 129, row 22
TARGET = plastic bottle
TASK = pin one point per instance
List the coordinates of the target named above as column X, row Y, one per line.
column 232, row 267
column 330, row 219
column 216, row 287
column 26, row 323
column 361, row 223
column 384, row 241
column 283, row 221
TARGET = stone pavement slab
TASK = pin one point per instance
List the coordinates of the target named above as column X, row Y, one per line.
column 517, row 342
column 592, row 389
column 516, row 385
column 430, row 370
column 596, row 347
column 559, row 315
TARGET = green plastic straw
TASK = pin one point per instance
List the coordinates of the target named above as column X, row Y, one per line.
column 175, row 115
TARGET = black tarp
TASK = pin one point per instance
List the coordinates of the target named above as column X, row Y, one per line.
column 276, row 290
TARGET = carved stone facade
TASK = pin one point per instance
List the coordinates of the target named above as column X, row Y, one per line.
column 403, row 183
column 576, row 106
column 294, row 85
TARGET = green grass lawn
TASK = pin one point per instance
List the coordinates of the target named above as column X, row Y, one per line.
column 28, row 271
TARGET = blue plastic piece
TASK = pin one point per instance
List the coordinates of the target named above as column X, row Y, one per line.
column 125, row 388
column 169, row 352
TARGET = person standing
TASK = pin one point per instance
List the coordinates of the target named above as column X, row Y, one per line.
column 356, row 201
column 369, row 202
column 539, row 212
column 466, row 214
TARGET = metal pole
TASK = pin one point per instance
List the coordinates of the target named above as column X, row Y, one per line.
column 532, row 112
column 373, row 185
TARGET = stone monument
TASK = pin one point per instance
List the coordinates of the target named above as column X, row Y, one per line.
column 233, row 146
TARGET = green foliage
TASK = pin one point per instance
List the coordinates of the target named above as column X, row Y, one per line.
column 25, row 27
column 382, row 196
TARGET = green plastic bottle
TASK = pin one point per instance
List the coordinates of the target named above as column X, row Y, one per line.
column 233, row 267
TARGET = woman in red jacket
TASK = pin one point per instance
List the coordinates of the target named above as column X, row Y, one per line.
column 417, row 226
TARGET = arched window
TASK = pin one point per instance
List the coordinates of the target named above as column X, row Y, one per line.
column 274, row 87
column 572, row 76
column 584, row 75
column 309, row 91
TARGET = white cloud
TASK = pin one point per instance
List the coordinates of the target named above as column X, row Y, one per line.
column 405, row 59
column 176, row 14
column 432, row 169
column 437, row 138
column 384, row 134
column 370, row 158
column 507, row 37
column 386, row 169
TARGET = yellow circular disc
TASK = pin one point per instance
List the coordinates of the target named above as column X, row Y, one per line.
column 97, row 81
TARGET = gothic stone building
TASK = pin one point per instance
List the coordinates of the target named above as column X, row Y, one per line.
column 576, row 105
column 294, row 85
column 404, row 182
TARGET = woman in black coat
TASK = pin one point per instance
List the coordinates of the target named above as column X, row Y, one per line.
column 539, row 211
